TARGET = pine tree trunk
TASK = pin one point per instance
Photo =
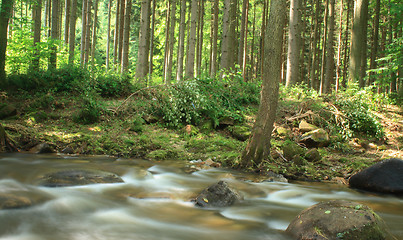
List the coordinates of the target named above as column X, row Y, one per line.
column 83, row 31
column 72, row 31
column 329, row 72
column 294, row 44
column 181, row 47
column 228, row 36
column 121, row 30
column 241, row 44
column 36, row 15
column 346, row 44
column 315, row 48
column 67, row 20
column 258, row 147
column 200, row 39
column 171, row 41
column 126, row 36
column 375, row 40
column 151, row 40
column 54, row 34
column 245, row 44
column 6, row 11
column 88, row 33
column 190, row 58
column 144, row 41
column 324, row 47
column 252, row 72
column 166, row 43
column 214, row 43
column 108, row 37
column 116, row 33
column 94, row 32
column 339, row 46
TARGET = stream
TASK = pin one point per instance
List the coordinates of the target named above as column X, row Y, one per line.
column 154, row 202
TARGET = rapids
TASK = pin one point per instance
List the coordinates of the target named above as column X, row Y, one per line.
column 154, row 202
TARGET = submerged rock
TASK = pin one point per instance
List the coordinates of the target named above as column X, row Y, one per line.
column 338, row 220
column 78, row 177
column 10, row 201
column 383, row 177
column 218, row 195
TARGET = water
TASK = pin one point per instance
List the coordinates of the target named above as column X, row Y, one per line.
column 154, row 202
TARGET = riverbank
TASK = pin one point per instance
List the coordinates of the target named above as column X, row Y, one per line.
column 122, row 131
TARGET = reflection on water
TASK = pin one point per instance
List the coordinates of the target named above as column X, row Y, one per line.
column 154, row 202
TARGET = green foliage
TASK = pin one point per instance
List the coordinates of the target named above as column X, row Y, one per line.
column 90, row 110
column 111, row 84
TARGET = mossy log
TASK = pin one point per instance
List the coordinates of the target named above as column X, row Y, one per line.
column 6, row 144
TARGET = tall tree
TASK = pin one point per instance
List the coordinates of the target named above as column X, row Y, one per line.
column 72, row 31
column 243, row 35
column 339, row 47
column 94, row 32
column 190, row 58
column 67, row 11
column 181, row 47
column 116, row 33
column 121, row 30
column 151, row 40
column 54, row 34
column 375, row 38
column 214, row 43
column 200, row 33
column 171, row 41
column 126, row 35
column 108, row 36
column 294, row 43
column 315, row 48
column 83, row 31
column 36, row 15
column 6, row 9
column 144, row 41
column 258, row 147
column 228, row 46
column 329, row 70
column 357, row 40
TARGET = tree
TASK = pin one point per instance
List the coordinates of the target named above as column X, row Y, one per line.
column 125, row 49
column 108, row 37
column 94, row 32
column 190, row 58
column 6, row 9
column 214, row 42
column 67, row 11
column 228, row 46
column 36, row 15
column 294, row 43
column 171, row 41
column 83, row 31
column 329, row 70
column 258, row 147
column 357, row 40
column 144, row 41
column 54, row 34
column 181, row 47
column 72, row 31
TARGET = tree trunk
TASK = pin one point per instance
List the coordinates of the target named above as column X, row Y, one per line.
column 324, row 47
column 36, row 15
column 6, row 11
column 329, row 70
column 72, row 31
column 67, row 11
column 151, row 40
column 244, row 25
column 144, row 41
column 252, row 71
column 190, row 58
column 346, row 44
column 126, row 36
column 200, row 33
column 294, row 44
column 228, row 36
column 357, row 40
column 88, row 33
column 121, row 30
column 83, row 30
column 181, row 47
column 54, row 34
column 339, row 47
column 214, row 44
column 171, row 41
column 116, row 33
column 6, row 144
column 94, row 32
column 108, row 37
column 245, row 44
column 258, row 147
column 375, row 40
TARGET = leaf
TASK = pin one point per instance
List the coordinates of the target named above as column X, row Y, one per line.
column 328, row 212
column 205, row 200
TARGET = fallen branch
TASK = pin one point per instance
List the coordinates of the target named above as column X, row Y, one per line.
column 6, row 144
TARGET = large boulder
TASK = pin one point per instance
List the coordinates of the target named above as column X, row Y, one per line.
column 78, row 177
column 218, row 195
column 383, row 177
column 315, row 138
column 338, row 219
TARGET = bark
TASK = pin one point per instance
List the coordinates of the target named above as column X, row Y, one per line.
column 357, row 40
column 166, row 42
column 54, row 34
column 181, row 47
column 363, row 70
column 252, row 71
column 200, row 33
column 151, row 50
column 36, row 15
column 126, row 36
column 324, row 47
column 228, row 36
column 67, row 11
column 6, row 144
column 346, row 44
column 171, row 41
column 108, row 37
column 241, row 44
column 258, row 147
column 294, row 44
column 94, row 32
column 144, row 40
column 214, row 52
column 83, row 30
column 6, row 11
column 339, row 47
column 72, row 31
column 88, row 33
column 116, row 33
column 245, row 44
column 121, row 30
column 190, row 58
column 329, row 70
column 375, row 40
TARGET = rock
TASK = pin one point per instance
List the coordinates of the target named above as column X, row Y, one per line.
column 42, row 148
column 315, row 138
column 150, row 119
column 291, row 150
column 241, row 133
column 284, row 132
column 68, row 150
column 338, row 219
column 218, row 195
column 383, row 177
column 313, row 155
column 304, row 126
column 7, row 110
column 10, row 201
column 274, row 177
column 226, row 121
column 78, row 177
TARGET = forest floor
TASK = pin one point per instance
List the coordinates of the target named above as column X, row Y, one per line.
column 121, row 134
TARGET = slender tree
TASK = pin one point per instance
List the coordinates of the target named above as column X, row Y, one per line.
column 375, row 39
column 67, row 11
column 329, row 69
column 190, row 58
column 116, row 32
column 54, row 34
column 94, row 32
column 258, row 147
column 214, row 43
column 72, row 31
column 171, row 39
column 36, row 15
column 5, row 14
column 144, row 41
column 181, row 43
column 243, row 36
column 83, row 31
column 151, row 50
column 108, row 36
column 339, row 47
column 126, row 35
column 228, row 46
column 294, row 43
column 121, row 30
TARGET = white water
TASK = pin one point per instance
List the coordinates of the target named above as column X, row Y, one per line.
column 154, row 202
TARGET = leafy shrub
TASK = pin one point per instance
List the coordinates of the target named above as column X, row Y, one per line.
column 113, row 85
column 90, row 111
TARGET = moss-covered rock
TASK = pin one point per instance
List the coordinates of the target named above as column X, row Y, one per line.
column 291, row 150
column 338, row 219
column 241, row 133
column 315, row 138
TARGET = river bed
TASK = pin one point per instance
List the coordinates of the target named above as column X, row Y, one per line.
column 154, row 202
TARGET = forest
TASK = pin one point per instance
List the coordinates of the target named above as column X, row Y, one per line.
column 181, row 63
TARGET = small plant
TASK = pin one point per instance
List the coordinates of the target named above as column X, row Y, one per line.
column 90, row 111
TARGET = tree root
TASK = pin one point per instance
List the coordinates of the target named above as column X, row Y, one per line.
column 6, row 144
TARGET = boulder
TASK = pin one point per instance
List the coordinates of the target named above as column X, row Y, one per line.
column 315, row 138
column 218, row 195
column 42, row 148
column 338, row 219
column 383, row 177
column 313, row 155
column 291, row 150
column 10, row 201
column 7, row 110
column 78, row 177
column 241, row 133
column 304, row 126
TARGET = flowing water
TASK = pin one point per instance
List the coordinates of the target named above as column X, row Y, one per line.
column 154, row 202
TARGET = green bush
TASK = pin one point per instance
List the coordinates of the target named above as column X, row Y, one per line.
column 89, row 112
